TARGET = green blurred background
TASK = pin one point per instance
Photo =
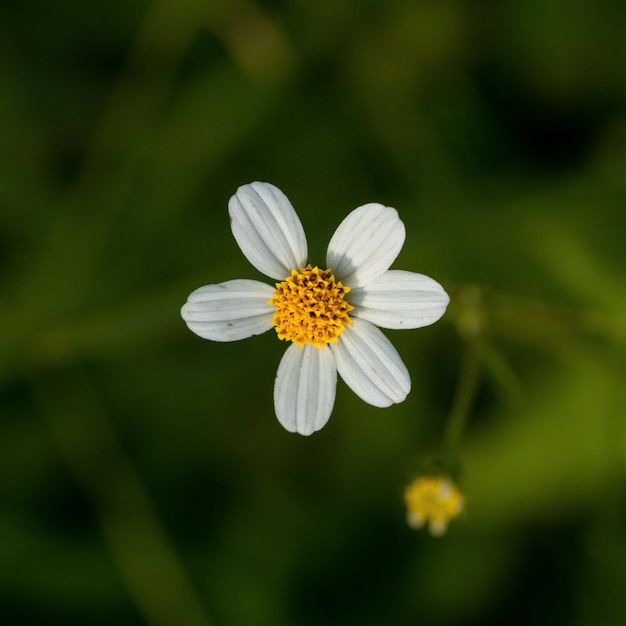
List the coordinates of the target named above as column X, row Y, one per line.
column 143, row 476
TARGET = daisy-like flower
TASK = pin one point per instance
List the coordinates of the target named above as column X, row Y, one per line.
column 432, row 500
column 329, row 315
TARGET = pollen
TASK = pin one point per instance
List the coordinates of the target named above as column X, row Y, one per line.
column 310, row 307
column 432, row 500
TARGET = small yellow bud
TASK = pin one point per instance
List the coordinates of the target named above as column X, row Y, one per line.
column 432, row 500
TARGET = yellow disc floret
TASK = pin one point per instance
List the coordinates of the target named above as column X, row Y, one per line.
column 310, row 307
column 432, row 500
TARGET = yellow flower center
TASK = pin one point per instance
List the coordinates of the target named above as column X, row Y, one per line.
column 310, row 307
column 435, row 500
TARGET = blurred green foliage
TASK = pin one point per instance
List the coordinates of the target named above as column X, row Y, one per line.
column 143, row 476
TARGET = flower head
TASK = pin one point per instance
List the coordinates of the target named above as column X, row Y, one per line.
column 310, row 307
column 432, row 500
column 330, row 315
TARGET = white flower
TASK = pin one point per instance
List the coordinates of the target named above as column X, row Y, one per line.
column 311, row 307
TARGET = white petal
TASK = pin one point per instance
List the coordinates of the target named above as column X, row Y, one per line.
column 267, row 229
column 415, row 520
column 229, row 311
column 437, row 527
column 400, row 299
column 365, row 244
column 304, row 392
column 370, row 365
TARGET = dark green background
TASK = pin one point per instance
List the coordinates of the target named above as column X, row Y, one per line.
column 143, row 476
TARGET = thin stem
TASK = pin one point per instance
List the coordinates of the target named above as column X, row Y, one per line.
column 467, row 386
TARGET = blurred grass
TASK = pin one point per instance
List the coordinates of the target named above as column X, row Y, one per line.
column 143, row 475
